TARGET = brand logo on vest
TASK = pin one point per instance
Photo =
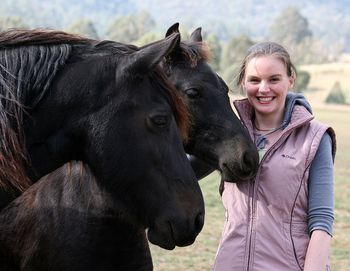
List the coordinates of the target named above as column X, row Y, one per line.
column 288, row 156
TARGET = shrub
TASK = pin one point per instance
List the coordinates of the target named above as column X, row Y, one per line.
column 336, row 95
column 302, row 81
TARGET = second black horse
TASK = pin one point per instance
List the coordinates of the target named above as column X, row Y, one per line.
column 217, row 139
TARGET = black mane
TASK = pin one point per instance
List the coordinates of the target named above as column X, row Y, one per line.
column 29, row 60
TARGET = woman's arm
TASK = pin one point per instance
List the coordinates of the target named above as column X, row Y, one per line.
column 321, row 207
column 318, row 251
column 321, row 190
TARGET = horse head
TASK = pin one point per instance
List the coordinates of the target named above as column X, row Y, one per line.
column 216, row 136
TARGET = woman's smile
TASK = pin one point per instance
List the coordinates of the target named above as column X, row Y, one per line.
column 265, row 100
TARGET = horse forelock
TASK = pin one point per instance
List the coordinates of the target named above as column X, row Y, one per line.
column 178, row 105
column 193, row 52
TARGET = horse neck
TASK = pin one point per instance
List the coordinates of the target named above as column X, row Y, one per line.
column 94, row 244
column 57, row 220
column 124, row 247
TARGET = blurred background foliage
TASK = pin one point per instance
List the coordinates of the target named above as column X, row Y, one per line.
column 229, row 27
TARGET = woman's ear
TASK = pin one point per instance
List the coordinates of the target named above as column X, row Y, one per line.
column 291, row 81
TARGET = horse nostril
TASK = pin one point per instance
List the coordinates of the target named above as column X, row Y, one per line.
column 199, row 222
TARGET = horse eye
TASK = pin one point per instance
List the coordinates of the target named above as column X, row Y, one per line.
column 160, row 120
column 192, row 92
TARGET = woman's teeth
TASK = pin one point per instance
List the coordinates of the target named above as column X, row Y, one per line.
column 265, row 99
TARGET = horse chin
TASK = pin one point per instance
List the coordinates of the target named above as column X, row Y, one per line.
column 167, row 237
column 163, row 238
column 229, row 175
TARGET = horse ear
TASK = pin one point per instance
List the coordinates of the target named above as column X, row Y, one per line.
column 196, row 35
column 144, row 60
column 172, row 29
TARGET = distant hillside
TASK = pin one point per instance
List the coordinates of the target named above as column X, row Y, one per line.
column 329, row 20
column 60, row 13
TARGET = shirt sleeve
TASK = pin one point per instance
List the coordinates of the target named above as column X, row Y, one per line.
column 321, row 188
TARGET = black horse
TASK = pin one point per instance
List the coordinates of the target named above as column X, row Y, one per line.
column 68, row 220
column 217, row 139
column 107, row 104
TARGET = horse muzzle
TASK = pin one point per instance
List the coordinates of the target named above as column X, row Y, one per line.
column 176, row 231
column 243, row 168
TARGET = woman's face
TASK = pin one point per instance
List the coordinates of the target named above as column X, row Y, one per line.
column 266, row 83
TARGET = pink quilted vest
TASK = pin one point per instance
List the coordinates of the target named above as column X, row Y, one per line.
column 266, row 218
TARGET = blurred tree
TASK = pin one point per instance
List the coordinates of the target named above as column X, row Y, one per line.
column 145, row 23
column 232, row 55
column 336, row 95
column 222, row 31
column 130, row 28
column 147, row 38
column 216, row 50
column 83, row 27
column 235, row 50
column 302, row 81
column 11, row 22
column 291, row 29
column 123, row 29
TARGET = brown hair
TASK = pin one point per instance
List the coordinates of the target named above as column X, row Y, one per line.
column 266, row 49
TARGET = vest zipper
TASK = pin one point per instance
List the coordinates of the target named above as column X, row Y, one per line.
column 249, row 230
column 253, row 194
column 252, row 207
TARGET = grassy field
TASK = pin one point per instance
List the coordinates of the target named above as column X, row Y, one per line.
column 201, row 254
column 323, row 78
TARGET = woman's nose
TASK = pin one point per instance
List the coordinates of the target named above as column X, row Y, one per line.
column 264, row 87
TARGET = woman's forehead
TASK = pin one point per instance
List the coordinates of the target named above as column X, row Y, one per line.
column 265, row 65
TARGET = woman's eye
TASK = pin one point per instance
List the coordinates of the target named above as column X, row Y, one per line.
column 192, row 93
column 254, row 81
column 160, row 121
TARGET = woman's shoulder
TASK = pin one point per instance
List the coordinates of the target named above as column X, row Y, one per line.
column 324, row 135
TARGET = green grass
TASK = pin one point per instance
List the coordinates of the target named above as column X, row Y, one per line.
column 339, row 120
column 201, row 254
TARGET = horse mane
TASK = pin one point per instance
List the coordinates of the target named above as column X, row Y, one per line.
column 195, row 51
column 27, row 67
column 19, row 37
column 29, row 61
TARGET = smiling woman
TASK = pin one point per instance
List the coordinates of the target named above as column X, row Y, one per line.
column 291, row 199
column 266, row 82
